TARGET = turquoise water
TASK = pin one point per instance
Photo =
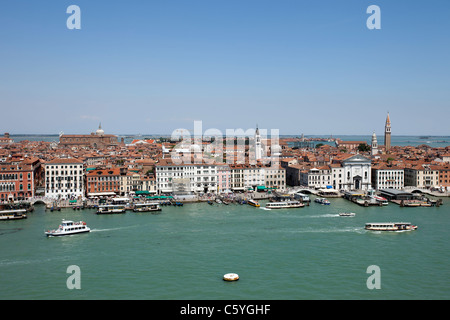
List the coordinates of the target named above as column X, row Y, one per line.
column 183, row 252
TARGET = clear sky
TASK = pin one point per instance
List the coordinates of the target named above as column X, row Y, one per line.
column 299, row 66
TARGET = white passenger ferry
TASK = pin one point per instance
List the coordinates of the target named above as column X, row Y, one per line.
column 111, row 208
column 147, row 207
column 13, row 214
column 68, row 227
column 390, row 226
column 284, row 204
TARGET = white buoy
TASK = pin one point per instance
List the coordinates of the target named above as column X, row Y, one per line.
column 231, row 277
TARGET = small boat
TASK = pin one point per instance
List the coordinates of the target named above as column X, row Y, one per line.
column 68, row 227
column 218, row 200
column 390, row 226
column 13, row 214
column 347, row 214
column 381, row 200
column 210, row 202
column 284, row 204
column 322, row 201
column 253, row 203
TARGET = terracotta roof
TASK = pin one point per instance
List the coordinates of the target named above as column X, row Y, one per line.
column 64, row 160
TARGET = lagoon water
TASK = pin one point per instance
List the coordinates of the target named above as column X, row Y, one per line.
column 183, row 252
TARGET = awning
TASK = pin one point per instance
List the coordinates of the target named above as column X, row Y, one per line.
column 142, row 192
column 102, row 194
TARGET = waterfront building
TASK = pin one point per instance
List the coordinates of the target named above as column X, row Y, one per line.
column 384, row 177
column 130, row 182
column 17, row 179
column 103, row 182
column 64, row 178
column 197, row 178
column 275, row 178
column 387, row 134
column 316, row 177
column 253, row 176
column 223, row 178
column 444, row 176
column 97, row 140
column 237, row 177
column 337, row 176
column 126, row 183
column 293, row 174
column 357, row 173
column 422, row 176
column 148, row 183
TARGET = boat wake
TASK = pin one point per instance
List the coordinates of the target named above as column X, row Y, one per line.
column 333, row 230
column 263, row 208
column 328, row 215
column 103, row 230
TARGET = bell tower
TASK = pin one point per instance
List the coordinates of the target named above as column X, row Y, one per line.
column 387, row 134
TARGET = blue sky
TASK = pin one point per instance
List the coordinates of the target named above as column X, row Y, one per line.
column 309, row 67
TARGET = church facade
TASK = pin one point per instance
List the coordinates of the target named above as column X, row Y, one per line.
column 357, row 173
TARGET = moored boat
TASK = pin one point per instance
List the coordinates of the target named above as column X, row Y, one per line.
column 381, row 200
column 111, row 208
column 146, row 207
column 15, row 214
column 68, row 227
column 322, row 201
column 390, row 226
column 284, row 204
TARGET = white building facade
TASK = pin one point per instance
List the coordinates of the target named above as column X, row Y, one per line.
column 64, row 179
column 388, row 178
column 357, row 173
column 187, row 178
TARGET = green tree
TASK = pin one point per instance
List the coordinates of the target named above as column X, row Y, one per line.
column 363, row 147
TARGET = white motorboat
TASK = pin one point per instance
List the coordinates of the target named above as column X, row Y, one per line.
column 322, row 201
column 347, row 214
column 68, row 227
